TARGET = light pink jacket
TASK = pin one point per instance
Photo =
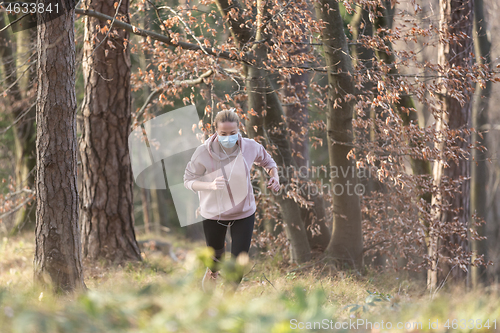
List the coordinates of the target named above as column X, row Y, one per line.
column 209, row 161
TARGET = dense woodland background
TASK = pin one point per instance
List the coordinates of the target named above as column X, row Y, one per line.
column 400, row 88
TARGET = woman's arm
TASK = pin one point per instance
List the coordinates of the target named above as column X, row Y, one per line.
column 200, row 186
column 265, row 160
column 274, row 182
column 274, row 172
column 217, row 184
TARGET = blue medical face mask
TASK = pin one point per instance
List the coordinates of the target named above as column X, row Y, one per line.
column 228, row 141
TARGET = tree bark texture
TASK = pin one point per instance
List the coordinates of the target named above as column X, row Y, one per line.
column 107, row 197
column 58, row 249
column 456, row 18
column 346, row 244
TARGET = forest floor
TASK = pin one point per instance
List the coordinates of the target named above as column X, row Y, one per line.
column 162, row 293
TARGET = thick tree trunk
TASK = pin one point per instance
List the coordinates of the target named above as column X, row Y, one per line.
column 346, row 244
column 107, row 204
column 480, row 178
column 58, row 248
column 364, row 57
column 456, row 19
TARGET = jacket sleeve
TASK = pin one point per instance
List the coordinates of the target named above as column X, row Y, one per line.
column 263, row 159
column 194, row 171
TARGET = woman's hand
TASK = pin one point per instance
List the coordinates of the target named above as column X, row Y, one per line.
column 274, row 183
column 218, row 184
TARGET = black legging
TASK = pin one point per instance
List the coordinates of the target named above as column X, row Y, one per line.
column 241, row 236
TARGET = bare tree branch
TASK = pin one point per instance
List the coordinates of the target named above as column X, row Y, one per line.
column 18, row 118
column 21, row 205
column 159, row 91
column 183, row 22
column 12, row 23
column 162, row 38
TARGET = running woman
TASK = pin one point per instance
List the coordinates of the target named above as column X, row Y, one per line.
column 219, row 171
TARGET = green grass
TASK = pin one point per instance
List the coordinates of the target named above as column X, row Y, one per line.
column 161, row 295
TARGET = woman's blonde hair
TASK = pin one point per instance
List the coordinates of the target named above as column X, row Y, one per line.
column 226, row 116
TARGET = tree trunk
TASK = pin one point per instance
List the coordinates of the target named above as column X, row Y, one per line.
column 107, row 203
column 456, row 18
column 480, row 178
column 58, row 249
column 346, row 244
column 405, row 106
column 362, row 26
column 295, row 230
column 364, row 57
